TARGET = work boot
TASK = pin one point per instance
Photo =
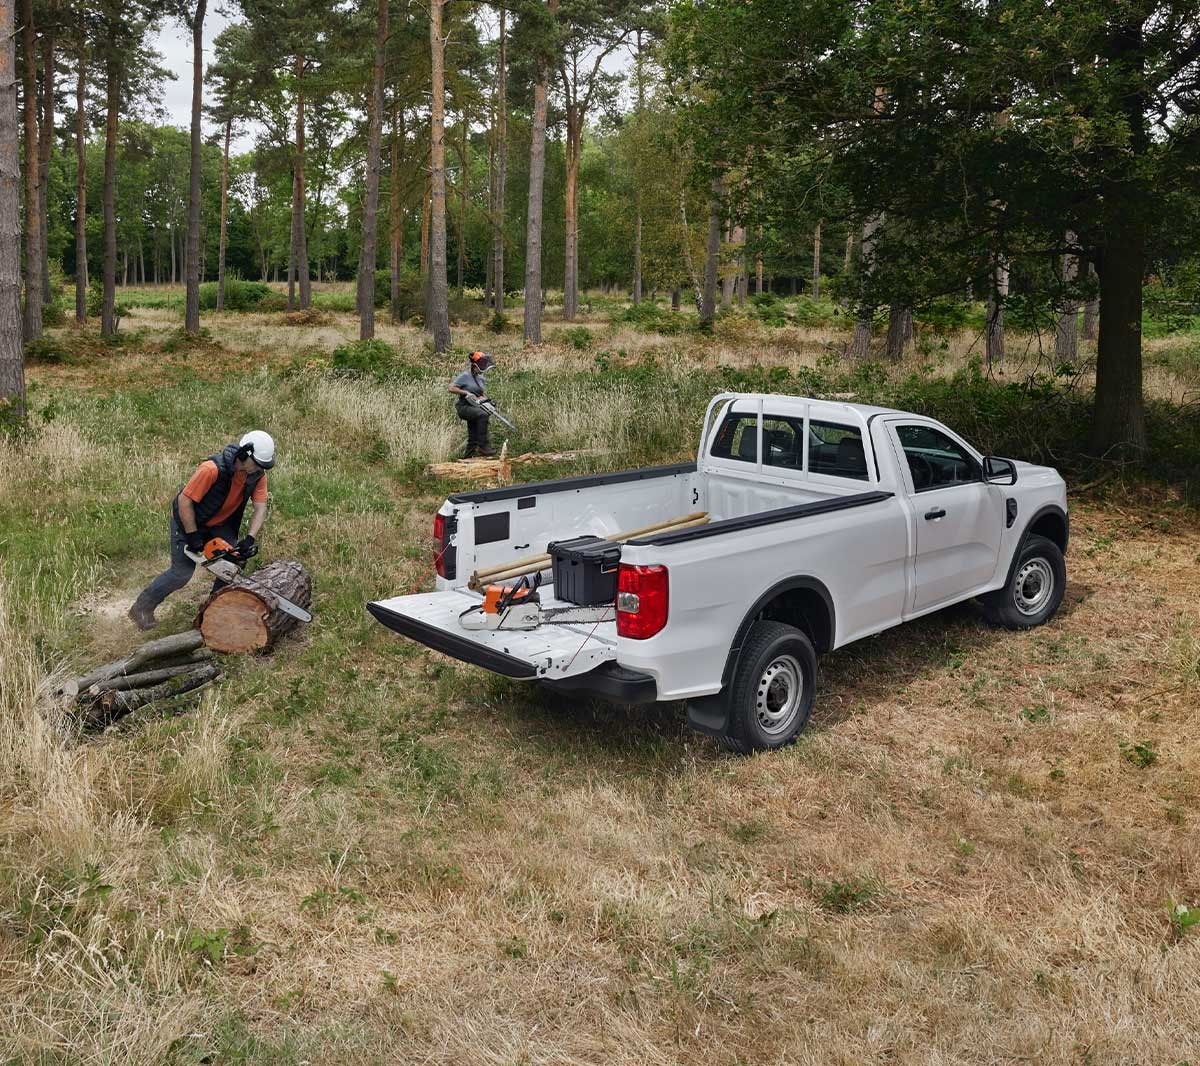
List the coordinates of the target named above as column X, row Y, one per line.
column 487, row 449
column 142, row 616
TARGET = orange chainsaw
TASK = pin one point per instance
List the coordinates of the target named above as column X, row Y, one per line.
column 225, row 562
column 519, row 606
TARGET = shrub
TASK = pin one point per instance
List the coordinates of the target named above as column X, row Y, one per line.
column 366, row 357
column 498, row 323
column 769, row 309
column 95, row 303
column 410, row 296
column 651, row 318
column 578, row 337
column 46, row 349
column 239, row 295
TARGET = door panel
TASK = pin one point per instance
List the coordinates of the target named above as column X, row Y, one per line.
column 959, row 518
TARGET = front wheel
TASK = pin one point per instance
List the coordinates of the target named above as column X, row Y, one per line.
column 773, row 688
column 1035, row 587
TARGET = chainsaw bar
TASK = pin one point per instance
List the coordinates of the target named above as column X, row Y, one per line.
column 226, row 570
column 531, row 615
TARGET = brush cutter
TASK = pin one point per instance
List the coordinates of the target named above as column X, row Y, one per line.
column 225, row 562
column 488, row 406
column 519, row 606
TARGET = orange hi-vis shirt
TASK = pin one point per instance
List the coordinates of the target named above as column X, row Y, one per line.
column 206, row 476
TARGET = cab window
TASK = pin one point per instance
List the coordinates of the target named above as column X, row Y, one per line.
column 836, row 450
column 783, row 442
column 737, row 439
column 934, row 459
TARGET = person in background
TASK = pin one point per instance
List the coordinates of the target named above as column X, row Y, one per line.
column 212, row 504
column 470, row 383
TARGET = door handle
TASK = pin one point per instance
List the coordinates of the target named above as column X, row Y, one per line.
column 935, row 514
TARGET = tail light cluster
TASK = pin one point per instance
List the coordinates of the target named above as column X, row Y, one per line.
column 444, row 555
column 642, row 599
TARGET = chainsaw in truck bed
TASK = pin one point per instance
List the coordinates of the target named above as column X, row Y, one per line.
column 802, row 525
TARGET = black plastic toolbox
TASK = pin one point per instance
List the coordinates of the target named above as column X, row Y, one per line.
column 585, row 570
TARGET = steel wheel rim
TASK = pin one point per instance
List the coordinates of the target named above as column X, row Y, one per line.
column 779, row 694
column 1033, row 587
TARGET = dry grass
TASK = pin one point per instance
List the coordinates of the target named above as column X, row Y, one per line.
column 363, row 852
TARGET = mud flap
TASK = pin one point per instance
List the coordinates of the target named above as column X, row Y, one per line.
column 709, row 714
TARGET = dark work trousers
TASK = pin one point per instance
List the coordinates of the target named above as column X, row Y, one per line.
column 477, row 426
column 179, row 573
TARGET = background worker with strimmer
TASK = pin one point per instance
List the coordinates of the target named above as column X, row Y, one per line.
column 210, row 507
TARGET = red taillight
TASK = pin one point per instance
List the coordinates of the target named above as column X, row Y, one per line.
column 439, row 544
column 641, row 600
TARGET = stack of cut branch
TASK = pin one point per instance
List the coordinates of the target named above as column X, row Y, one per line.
column 157, row 670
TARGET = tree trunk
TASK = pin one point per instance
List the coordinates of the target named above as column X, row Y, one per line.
column 222, row 242
column 697, row 285
column 33, row 227
column 860, row 344
column 572, row 146
column 501, row 172
column 848, row 258
column 245, row 616
column 395, row 216
column 108, row 318
column 729, row 281
column 462, row 205
column 368, row 255
column 1066, row 329
column 298, row 264
column 81, row 263
column 1119, row 423
column 712, row 253
column 12, row 355
column 1091, row 311
column 45, row 147
column 533, row 229
column 815, row 290
column 758, row 261
column 191, row 315
column 997, row 294
column 437, row 315
column 899, row 331
column 637, row 187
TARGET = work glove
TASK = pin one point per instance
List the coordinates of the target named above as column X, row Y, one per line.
column 195, row 541
column 247, row 547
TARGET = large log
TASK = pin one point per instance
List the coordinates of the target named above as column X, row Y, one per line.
column 151, row 651
column 113, row 705
column 245, row 616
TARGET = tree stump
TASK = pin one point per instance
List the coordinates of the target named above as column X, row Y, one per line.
column 244, row 615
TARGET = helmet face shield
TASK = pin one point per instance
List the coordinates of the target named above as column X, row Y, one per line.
column 481, row 362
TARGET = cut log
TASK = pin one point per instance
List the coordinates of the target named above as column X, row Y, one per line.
column 245, row 616
column 148, row 677
column 151, row 651
column 113, row 705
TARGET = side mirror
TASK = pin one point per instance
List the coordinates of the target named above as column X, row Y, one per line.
column 997, row 471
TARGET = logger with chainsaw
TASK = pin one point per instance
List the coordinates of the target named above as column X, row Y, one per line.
column 207, row 513
column 473, row 406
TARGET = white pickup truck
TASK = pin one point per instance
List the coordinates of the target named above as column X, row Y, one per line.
column 827, row 522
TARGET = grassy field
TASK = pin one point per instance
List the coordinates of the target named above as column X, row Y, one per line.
column 355, row 850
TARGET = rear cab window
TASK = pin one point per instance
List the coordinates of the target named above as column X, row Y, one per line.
column 793, row 446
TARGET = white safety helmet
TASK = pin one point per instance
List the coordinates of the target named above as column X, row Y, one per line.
column 260, row 447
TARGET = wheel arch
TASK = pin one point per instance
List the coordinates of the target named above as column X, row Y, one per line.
column 1049, row 521
column 801, row 601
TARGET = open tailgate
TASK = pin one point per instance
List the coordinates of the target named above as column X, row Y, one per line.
column 553, row 651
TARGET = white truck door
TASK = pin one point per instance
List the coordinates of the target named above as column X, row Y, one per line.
column 959, row 518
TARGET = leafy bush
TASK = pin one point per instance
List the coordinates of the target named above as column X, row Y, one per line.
column 95, row 303
column 652, row 318
column 239, row 295
column 578, row 337
column 46, row 349
column 366, row 357
column 410, row 297
column 769, row 309
column 818, row 313
column 498, row 323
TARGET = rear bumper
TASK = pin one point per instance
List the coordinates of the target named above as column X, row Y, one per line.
column 613, row 682
column 609, row 680
column 455, row 646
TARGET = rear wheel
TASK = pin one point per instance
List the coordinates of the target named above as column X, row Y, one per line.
column 773, row 688
column 1034, row 590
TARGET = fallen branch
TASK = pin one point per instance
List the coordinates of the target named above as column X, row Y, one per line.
column 148, row 677
column 113, row 705
column 178, row 644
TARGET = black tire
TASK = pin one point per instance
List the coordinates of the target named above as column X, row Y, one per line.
column 1025, row 601
column 774, row 659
